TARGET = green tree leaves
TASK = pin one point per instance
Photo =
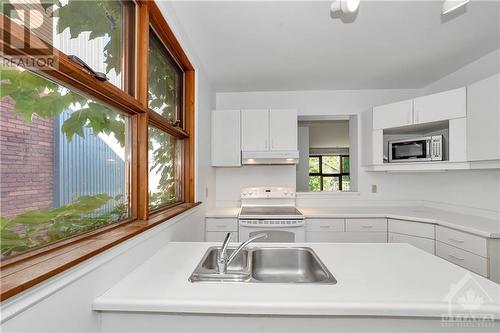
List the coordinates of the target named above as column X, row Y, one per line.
column 35, row 228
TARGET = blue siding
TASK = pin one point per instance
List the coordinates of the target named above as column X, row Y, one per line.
column 85, row 166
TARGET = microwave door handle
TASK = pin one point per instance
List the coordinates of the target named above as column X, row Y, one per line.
column 428, row 150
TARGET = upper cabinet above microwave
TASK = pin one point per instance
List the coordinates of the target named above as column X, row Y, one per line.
column 393, row 115
column 268, row 130
column 426, row 109
column 442, row 106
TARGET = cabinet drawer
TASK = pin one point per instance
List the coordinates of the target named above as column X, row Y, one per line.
column 321, row 236
column 462, row 240
column 370, row 225
column 221, row 224
column 468, row 260
column 425, row 244
column 412, row 228
column 218, row 236
column 325, row 225
column 359, row 237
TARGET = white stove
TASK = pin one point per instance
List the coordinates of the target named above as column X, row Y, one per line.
column 270, row 210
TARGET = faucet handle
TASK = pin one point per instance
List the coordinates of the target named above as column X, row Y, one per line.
column 225, row 243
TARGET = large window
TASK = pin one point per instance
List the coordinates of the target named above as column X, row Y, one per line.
column 65, row 167
column 165, row 98
column 93, row 149
column 329, row 173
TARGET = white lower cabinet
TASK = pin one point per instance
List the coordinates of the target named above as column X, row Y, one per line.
column 217, row 228
column 347, row 230
column 463, row 258
column 324, row 230
column 217, row 236
column 420, row 235
column 425, row 244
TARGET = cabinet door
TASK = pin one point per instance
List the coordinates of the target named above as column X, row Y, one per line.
column 483, row 119
column 442, row 106
column 393, row 115
column 255, row 130
column 323, row 237
column 283, row 129
column 422, row 243
column 226, row 147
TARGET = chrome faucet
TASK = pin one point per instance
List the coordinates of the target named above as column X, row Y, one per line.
column 223, row 261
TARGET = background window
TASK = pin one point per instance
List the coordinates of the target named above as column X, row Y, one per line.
column 329, row 173
column 64, row 167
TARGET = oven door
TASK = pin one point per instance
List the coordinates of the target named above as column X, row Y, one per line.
column 410, row 150
column 288, row 231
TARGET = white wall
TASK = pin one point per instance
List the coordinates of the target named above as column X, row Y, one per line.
column 459, row 190
column 302, row 173
column 475, row 71
column 328, row 133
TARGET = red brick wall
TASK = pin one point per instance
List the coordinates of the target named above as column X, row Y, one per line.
column 26, row 162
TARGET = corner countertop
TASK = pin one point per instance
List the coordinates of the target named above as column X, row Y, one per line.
column 477, row 225
column 373, row 280
column 223, row 212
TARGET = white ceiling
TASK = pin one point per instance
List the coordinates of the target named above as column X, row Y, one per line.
column 258, row 46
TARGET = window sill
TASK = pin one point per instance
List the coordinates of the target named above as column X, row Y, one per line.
column 25, row 271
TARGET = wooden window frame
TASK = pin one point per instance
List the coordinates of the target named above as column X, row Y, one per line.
column 25, row 270
column 321, row 174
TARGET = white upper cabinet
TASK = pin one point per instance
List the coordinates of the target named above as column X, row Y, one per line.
column 226, row 151
column 283, row 130
column 393, row 115
column 483, row 119
column 255, row 130
column 442, row 106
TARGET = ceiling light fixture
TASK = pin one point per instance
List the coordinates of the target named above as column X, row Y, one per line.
column 451, row 5
column 346, row 6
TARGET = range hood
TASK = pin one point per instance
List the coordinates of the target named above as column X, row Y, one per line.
column 269, row 157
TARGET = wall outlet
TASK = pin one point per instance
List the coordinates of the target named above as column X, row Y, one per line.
column 374, row 188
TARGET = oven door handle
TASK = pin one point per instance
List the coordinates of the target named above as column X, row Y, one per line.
column 298, row 224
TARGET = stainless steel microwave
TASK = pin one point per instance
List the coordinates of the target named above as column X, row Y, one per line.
column 428, row 148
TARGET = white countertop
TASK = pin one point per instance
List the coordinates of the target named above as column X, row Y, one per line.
column 222, row 212
column 373, row 280
column 473, row 224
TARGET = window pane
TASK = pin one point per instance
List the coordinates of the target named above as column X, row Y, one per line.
column 346, row 183
column 164, row 81
column 345, row 164
column 314, row 183
column 330, row 183
column 64, row 167
column 164, row 160
column 313, row 164
column 91, row 30
column 331, row 164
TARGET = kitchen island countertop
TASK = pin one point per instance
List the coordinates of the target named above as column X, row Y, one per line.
column 373, row 280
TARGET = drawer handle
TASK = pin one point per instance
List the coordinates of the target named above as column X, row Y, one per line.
column 455, row 257
column 367, row 226
column 456, row 240
column 324, row 226
column 221, row 226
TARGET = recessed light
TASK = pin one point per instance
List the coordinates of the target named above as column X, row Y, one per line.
column 346, row 6
column 451, row 5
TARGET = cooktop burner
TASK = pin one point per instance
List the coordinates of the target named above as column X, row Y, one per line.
column 265, row 211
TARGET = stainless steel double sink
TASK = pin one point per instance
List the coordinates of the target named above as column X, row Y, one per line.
column 265, row 265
